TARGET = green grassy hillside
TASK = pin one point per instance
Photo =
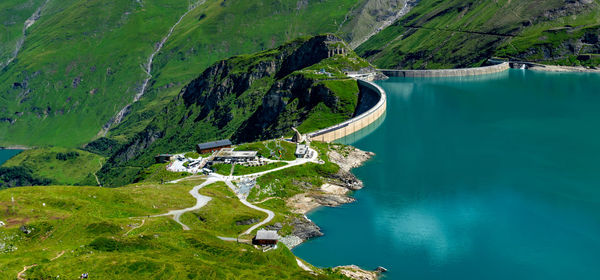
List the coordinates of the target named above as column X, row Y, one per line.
column 79, row 64
column 60, row 165
column 106, row 233
column 82, row 61
column 221, row 29
column 247, row 98
column 463, row 33
column 13, row 13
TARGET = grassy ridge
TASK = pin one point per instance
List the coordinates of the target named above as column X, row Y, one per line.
column 60, row 165
column 221, row 29
column 550, row 42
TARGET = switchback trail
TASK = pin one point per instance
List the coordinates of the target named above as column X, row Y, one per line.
column 270, row 214
column 202, row 200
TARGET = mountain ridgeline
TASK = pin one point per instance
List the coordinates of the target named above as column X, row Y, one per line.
column 465, row 33
column 249, row 97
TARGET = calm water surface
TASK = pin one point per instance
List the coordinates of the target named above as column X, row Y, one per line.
column 489, row 177
column 7, row 154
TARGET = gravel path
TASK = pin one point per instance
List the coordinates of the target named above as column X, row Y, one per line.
column 25, row 268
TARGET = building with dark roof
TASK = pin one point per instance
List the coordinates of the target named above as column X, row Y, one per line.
column 213, row 146
column 265, row 237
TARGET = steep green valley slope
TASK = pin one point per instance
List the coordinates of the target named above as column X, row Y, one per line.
column 249, row 97
column 463, row 33
column 14, row 15
column 84, row 61
column 58, row 166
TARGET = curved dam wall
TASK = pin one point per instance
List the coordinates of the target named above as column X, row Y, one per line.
column 364, row 119
column 447, row 72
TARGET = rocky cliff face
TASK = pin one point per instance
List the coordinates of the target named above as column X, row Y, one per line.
column 245, row 98
column 287, row 104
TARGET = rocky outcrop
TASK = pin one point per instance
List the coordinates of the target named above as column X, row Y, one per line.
column 305, row 228
column 247, row 222
column 348, row 157
column 355, row 272
column 293, row 96
column 328, row 194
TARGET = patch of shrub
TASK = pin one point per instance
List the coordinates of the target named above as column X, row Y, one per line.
column 18, row 176
column 67, row 156
column 105, row 244
column 102, row 228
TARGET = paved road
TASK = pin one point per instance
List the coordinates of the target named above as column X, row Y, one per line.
column 201, row 200
column 270, row 214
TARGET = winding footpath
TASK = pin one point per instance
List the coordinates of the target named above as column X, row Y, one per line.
column 270, row 214
column 202, row 200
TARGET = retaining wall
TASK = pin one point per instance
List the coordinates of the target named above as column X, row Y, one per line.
column 447, row 72
column 357, row 123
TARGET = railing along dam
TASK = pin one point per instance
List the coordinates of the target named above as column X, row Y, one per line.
column 357, row 123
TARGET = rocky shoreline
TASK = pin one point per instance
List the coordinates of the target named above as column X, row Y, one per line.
column 551, row 68
column 331, row 194
column 16, row 147
column 559, row 68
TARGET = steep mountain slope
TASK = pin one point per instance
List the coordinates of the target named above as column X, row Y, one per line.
column 79, row 63
column 300, row 84
column 461, row 33
column 219, row 30
column 17, row 16
column 84, row 61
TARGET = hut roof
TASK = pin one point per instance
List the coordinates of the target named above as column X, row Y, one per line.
column 266, row 235
column 214, row 144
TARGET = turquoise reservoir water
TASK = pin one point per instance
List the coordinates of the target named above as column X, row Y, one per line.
column 7, row 154
column 489, row 177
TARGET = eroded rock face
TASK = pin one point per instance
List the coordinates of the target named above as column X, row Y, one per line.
column 348, row 157
column 333, row 200
column 247, row 222
column 305, row 229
